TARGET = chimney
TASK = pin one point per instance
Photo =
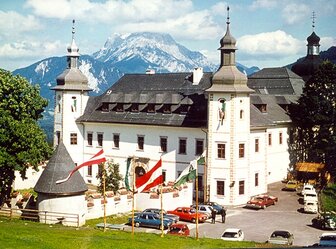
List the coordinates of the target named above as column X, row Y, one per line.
column 197, row 75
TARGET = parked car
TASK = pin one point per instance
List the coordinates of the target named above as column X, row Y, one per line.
column 291, row 185
column 205, row 209
column 281, row 237
column 324, row 222
column 310, row 196
column 188, row 214
column 233, row 234
column 216, row 206
column 307, row 188
column 327, row 240
column 180, row 229
column 150, row 220
column 310, row 207
column 173, row 217
column 260, row 201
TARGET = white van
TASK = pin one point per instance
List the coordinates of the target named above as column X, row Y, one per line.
column 310, row 196
column 310, row 207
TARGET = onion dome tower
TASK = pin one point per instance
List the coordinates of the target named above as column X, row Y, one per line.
column 306, row 67
column 64, row 198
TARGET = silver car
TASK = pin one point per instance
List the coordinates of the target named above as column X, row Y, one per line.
column 205, row 209
column 281, row 237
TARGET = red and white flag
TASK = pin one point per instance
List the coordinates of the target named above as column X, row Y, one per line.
column 151, row 179
column 96, row 159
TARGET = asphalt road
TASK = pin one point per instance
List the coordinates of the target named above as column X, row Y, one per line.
column 259, row 224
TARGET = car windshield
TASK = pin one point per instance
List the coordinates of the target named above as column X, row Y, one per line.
column 230, row 235
column 280, row 234
column 328, row 237
column 175, row 229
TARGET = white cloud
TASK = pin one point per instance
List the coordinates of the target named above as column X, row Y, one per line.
column 275, row 44
column 327, row 42
column 12, row 24
column 220, row 8
column 264, row 4
column 28, row 49
column 294, row 13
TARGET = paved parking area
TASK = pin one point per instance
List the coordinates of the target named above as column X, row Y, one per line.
column 259, row 224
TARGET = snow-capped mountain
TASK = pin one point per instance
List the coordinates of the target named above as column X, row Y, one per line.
column 138, row 51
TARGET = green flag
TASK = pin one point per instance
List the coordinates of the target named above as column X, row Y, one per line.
column 127, row 173
column 187, row 175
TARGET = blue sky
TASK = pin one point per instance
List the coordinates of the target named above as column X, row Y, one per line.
column 269, row 33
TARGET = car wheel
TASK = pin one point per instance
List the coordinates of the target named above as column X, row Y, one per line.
column 193, row 220
column 137, row 224
column 323, row 226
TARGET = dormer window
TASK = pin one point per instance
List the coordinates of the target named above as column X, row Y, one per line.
column 166, row 109
column 262, row 108
column 183, row 109
column 119, row 107
column 151, row 108
column 285, row 107
column 105, row 107
column 135, row 108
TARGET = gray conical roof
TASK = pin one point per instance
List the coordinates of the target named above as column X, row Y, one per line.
column 58, row 168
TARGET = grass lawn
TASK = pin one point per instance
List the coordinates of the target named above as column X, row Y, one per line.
column 17, row 233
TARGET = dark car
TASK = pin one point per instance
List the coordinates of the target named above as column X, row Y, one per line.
column 324, row 222
column 215, row 206
column 150, row 220
column 173, row 217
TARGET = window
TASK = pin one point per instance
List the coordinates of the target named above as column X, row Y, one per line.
column 116, row 140
column 166, row 109
column 241, row 187
column 135, row 108
column 256, row 145
column 241, row 150
column 183, row 146
column 58, row 137
column 220, row 187
column 200, row 182
column 119, row 107
column 141, row 140
column 183, row 109
column 199, row 147
column 269, row 139
column 89, row 138
column 74, row 104
column 164, row 175
column 241, row 114
column 89, row 170
column 100, row 139
column 100, row 169
column 151, row 108
column 163, row 144
column 105, row 107
column 280, row 138
column 221, row 151
column 73, row 138
column 256, row 179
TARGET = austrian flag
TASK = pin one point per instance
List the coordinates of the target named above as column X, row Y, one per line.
column 151, row 179
column 96, row 159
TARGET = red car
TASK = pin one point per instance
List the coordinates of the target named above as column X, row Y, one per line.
column 179, row 229
column 261, row 201
column 188, row 214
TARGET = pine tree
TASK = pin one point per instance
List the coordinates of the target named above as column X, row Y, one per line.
column 314, row 118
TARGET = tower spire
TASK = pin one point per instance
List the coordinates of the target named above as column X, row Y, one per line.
column 228, row 15
column 313, row 20
column 73, row 29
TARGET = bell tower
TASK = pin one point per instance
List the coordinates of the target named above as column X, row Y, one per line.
column 228, row 126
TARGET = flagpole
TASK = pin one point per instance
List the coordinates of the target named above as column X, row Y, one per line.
column 161, row 199
column 104, row 195
column 133, row 171
column 196, row 182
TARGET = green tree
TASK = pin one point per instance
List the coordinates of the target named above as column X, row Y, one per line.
column 112, row 176
column 314, row 117
column 22, row 142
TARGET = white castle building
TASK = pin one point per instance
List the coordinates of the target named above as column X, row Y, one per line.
column 241, row 125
